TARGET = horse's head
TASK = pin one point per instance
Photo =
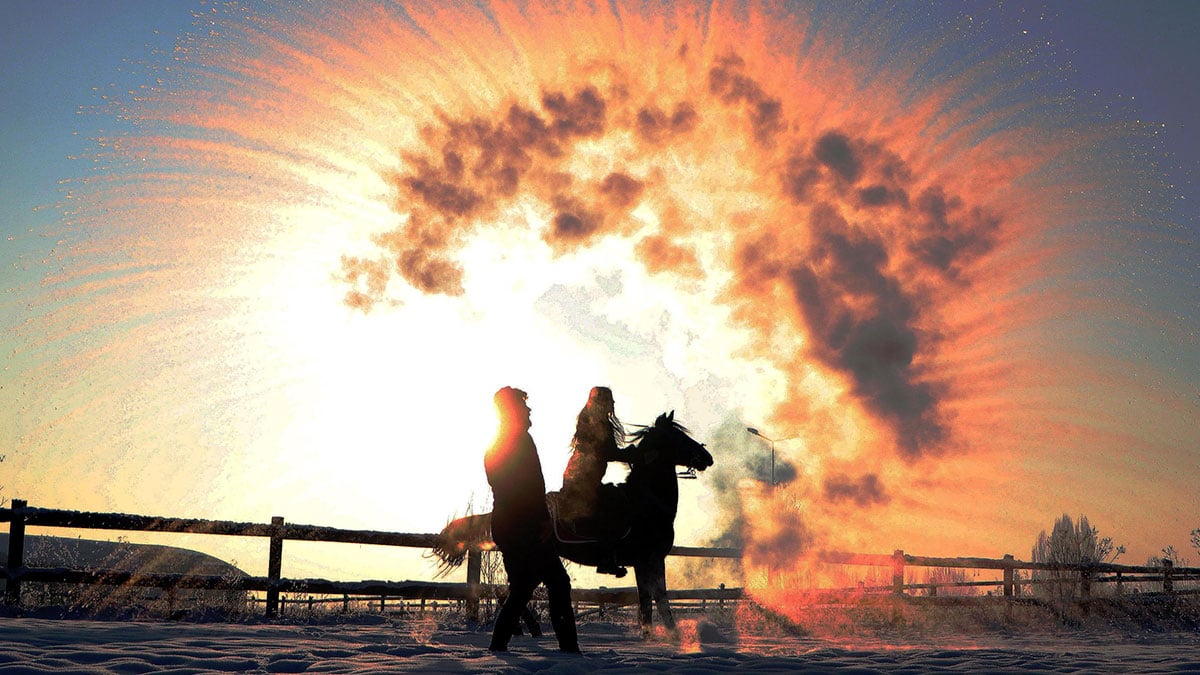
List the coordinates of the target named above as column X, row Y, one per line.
column 667, row 441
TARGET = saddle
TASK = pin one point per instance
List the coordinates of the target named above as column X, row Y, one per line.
column 583, row 530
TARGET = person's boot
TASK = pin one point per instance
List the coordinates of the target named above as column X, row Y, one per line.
column 610, row 566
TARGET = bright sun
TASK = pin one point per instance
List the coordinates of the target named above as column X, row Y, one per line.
column 400, row 399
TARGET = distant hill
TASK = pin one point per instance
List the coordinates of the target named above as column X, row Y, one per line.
column 46, row 551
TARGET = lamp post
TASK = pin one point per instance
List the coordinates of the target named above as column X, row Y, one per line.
column 756, row 432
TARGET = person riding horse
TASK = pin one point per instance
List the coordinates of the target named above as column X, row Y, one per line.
column 584, row 502
column 652, row 492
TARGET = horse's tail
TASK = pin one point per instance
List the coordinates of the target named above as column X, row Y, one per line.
column 460, row 536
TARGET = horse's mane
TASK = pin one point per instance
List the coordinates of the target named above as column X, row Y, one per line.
column 640, row 432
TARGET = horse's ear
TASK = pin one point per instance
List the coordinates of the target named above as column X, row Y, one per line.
column 671, row 416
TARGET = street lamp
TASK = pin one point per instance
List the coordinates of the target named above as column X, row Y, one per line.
column 756, row 432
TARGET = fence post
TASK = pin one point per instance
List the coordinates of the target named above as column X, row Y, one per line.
column 1008, row 575
column 16, row 553
column 1085, row 580
column 1168, row 569
column 898, row 572
column 274, row 566
column 474, row 567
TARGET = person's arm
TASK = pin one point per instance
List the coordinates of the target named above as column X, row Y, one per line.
column 614, row 454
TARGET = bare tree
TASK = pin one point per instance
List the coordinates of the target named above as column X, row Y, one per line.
column 1070, row 543
column 1168, row 553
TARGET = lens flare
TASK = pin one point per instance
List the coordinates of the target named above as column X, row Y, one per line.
column 320, row 230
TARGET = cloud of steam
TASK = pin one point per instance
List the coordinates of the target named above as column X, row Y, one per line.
column 835, row 234
column 856, row 238
column 748, row 516
column 864, row 491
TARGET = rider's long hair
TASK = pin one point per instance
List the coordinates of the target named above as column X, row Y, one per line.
column 597, row 424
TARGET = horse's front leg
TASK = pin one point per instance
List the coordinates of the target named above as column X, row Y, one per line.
column 645, row 597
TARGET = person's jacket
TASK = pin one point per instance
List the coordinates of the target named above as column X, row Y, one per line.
column 519, row 514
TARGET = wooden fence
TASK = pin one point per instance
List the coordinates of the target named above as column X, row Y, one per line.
column 1084, row 574
column 20, row 516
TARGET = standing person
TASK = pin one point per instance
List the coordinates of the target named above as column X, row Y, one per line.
column 599, row 435
column 521, row 525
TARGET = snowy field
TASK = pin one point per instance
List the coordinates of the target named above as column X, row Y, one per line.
column 35, row 645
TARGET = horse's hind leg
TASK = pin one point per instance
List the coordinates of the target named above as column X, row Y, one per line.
column 659, row 588
column 645, row 599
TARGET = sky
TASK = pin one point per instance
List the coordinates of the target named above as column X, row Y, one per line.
column 273, row 260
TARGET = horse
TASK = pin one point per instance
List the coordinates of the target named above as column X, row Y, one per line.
column 651, row 492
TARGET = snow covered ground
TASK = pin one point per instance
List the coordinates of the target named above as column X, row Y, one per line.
column 37, row 645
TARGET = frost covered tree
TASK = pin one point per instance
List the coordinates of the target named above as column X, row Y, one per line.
column 1070, row 542
column 1168, row 553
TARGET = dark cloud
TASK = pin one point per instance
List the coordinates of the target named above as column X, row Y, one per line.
column 580, row 115
column 881, row 195
column 950, row 235
column 782, row 473
column 447, row 197
column 621, row 191
column 862, row 314
column 778, row 540
column 866, row 490
column 841, row 163
column 573, row 221
column 758, row 263
column 655, row 126
column 728, row 82
column 472, row 168
column 800, row 174
column 862, row 323
column 835, row 151
column 887, row 176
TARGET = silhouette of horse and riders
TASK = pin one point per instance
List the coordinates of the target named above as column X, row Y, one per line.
column 610, row 527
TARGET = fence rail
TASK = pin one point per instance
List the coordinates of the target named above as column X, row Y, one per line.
column 20, row 515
